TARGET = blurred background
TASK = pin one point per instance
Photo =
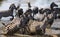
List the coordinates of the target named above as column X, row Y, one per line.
column 4, row 4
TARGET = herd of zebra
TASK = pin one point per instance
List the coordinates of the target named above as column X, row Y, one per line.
column 32, row 21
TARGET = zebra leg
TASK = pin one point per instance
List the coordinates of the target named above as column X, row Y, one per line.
column 27, row 30
column 39, row 30
column 22, row 31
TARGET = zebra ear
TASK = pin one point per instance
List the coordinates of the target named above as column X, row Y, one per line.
column 29, row 5
column 18, row 6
